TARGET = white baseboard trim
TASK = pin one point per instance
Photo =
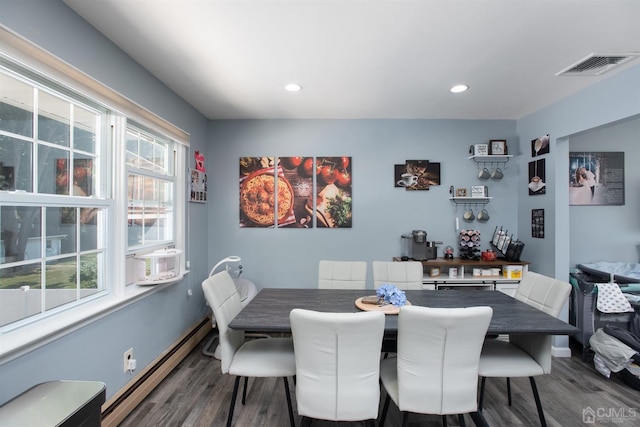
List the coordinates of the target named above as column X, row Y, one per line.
column 116, row 409
column 560, row 351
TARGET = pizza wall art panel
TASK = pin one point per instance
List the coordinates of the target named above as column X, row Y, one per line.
column 257, row 183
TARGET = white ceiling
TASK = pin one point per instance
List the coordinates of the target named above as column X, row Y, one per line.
column 367, row 58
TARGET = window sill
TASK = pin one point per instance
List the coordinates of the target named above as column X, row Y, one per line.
column 20, row 341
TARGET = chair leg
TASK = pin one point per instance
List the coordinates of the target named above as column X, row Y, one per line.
column 236, row 383
column 385, row 408
column 370, row 423
column 543, row 422
column 244, row 390
column 305, row 422
column 206, row 350
column 461, row 420
column 405, row 419
column 288, row 395
column 481, row 398
column 509, row 391
column 444, row 420
column 478, row 419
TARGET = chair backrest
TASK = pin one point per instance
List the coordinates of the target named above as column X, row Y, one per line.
column 543, row 292
column 438, row 358
column 222, row 296
column 337, row 364
column 342, row 274
column 406, row 275
column 546, row 294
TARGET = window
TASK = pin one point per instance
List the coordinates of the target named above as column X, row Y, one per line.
column 52, row 240
column 150, row 184
column 69, row 215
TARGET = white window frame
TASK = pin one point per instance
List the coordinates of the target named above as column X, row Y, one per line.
column 19, row 341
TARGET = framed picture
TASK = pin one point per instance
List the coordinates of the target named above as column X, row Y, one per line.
column 540, row 146
column 461, row 192
column 434, row 272
column 498, row 147
column 537, row 181
column 596, row 178
column 480, row 149
column 479, row 191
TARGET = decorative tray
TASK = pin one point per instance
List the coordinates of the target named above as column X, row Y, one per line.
column 386, row 309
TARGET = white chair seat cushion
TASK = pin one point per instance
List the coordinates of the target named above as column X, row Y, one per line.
column 271, row 357
column 503, row 359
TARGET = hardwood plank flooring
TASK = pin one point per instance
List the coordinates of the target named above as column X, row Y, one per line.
column 196, row 394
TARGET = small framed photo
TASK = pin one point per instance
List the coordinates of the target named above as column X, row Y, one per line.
column 479, row 191
column 461, row 192
column 480, row 149
column 498, row 147
column 434, row 272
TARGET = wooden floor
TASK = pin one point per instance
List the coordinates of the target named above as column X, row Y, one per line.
column 197, row 394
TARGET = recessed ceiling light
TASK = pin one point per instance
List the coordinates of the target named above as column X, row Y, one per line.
column 293, row 87
column 459, row 88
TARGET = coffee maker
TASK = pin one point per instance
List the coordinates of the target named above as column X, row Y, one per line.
column 421, row 248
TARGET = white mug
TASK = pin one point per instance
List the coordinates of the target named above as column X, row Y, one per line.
column 409, row 179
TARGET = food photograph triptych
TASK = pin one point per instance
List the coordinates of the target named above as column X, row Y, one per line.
column 295, row 192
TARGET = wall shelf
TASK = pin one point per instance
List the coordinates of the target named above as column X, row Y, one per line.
column 470, row 200
column 495, row 158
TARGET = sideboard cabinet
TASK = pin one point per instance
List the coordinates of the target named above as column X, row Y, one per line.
column 498, row 275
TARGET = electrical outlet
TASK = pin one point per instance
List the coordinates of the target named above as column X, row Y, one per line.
column 128, row 355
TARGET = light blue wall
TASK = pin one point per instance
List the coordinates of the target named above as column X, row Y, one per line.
column 609, row 233
column 151, row 325
column 614, row 99
column 381, row 212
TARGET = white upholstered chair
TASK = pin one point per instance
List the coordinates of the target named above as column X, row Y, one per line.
column 525, row 355
column 342, row 274
column 337, row 364
column 436, row 371
column 406, row 275
column 254, row 358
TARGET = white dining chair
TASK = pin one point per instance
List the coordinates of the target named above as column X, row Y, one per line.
column 337, row 365
column 342, row 274
column 525, row 355
column 405, row 275
column 254, row 358
column 436, row 369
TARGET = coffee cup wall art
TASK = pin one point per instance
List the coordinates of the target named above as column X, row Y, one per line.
column 416, row 175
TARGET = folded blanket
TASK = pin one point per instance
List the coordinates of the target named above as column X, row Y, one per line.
column 611, row 299
column 612, row 355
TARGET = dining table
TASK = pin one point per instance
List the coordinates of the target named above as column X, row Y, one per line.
column 269, row 310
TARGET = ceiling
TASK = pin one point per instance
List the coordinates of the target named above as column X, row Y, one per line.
column 367, row 58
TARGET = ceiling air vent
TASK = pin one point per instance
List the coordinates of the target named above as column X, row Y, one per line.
column 596, row 64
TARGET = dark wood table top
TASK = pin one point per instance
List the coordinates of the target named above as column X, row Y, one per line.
column 269, row 310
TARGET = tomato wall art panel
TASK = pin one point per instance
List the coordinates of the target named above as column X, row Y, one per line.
column 333, row 192
column 295, row 192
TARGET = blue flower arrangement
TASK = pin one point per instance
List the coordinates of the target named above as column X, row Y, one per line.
column 391, row 295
